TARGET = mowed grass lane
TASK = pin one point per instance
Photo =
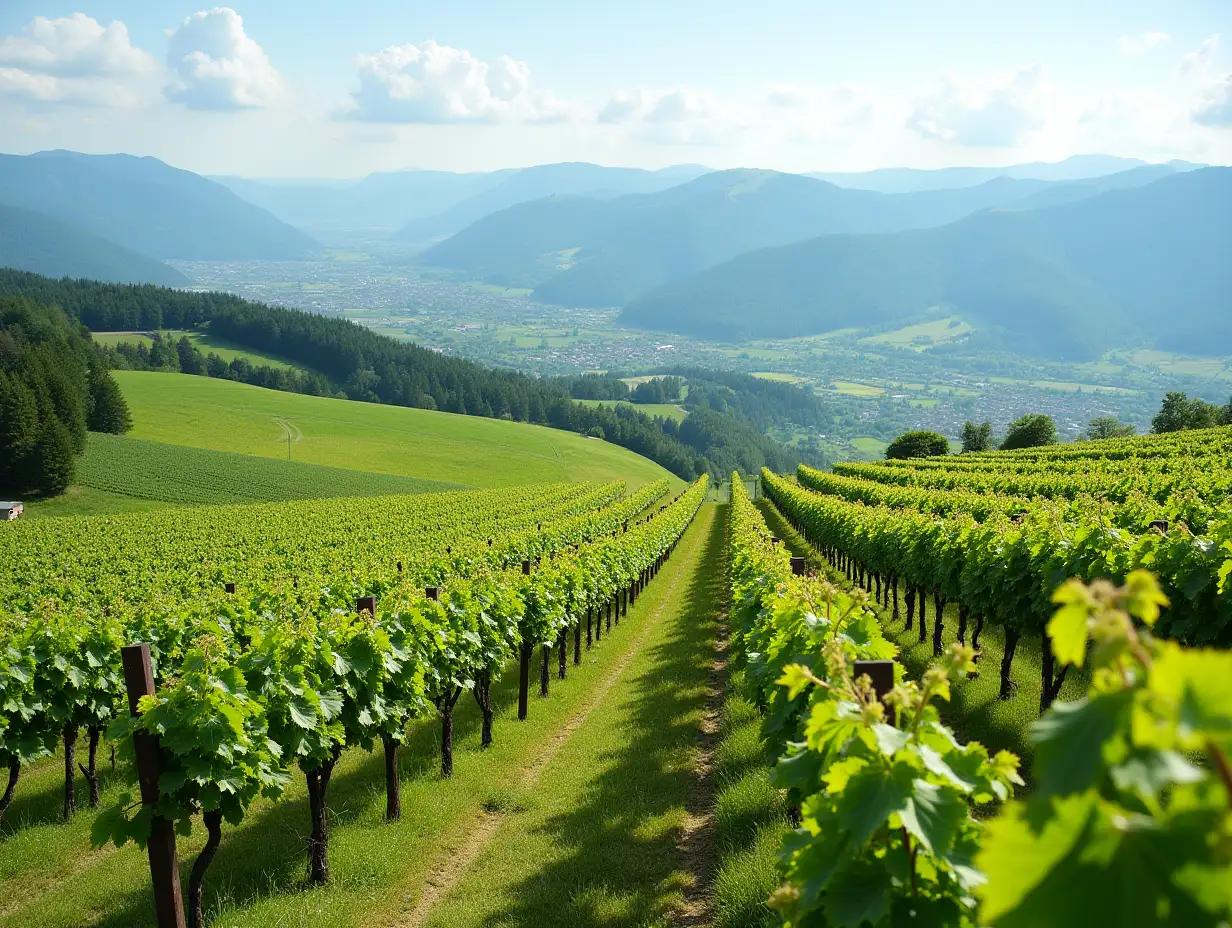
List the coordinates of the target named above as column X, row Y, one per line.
column 218, row 414
column 50, row 877
column 594, row 837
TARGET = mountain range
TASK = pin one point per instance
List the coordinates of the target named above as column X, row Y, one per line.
column 38, row 243
column 592, row 252
column 912, row 180
column 1144, row 264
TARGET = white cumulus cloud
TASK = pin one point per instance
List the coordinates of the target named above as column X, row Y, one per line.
column 218, row 66
column 1214, row 106
column 679, row 116
column 995, row 111
column 433, row 83
column 75, row 60
column 1142, row 42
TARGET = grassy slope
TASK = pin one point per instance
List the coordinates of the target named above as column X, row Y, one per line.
column 120, row 473
column 49, row 878
column 597, row 841
column 226, row 416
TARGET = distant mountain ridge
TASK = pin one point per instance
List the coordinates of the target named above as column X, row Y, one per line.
column 912, row 180
column 1147, row 263
column 381, row 203
column 583, row 251
column 148, row 207
column 578, row 178
column 41, row 244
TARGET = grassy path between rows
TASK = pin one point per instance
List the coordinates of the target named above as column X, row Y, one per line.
column 602, row 816
column 611, row 828
column 975, row 712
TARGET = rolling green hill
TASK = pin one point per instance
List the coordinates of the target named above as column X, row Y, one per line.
column 224, row 416
column 1066, row 282
column 580, row 251
column 147, row 206
column 41, row 244
column 118, row 474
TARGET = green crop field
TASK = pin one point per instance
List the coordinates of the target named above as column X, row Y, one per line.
column 924, row 335
column 154, row 472
column 664, row 410
column 225, row 416
column 857, row 389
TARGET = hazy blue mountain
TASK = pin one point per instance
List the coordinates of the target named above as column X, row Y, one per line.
column 378, row 202
column 148, row 206
column 910, row 180
column 585, row 251
column 34, row 242
column 543, row 181
column 1073, row 191
column 1147, row 263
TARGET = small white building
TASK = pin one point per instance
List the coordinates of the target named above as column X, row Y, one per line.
column 10, row 511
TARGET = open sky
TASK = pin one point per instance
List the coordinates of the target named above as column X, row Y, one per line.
column 324, row 88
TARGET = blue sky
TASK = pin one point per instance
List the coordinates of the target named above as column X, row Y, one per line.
column 317, row 88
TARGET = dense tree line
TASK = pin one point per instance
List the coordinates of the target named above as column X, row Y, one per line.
column 54, row 386
column 765, row 403
column 354, row 362
column 658, row 390
column 182, row 356
column 1179, row 413
column 593, row 387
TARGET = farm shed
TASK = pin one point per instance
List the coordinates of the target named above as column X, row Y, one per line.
column 10, row 511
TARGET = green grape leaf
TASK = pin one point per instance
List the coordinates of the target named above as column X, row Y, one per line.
column 934, row 814
column 1023, row 846
column 1068, row 631
column 871, row 796
column 1069, row 741
column 858, row 893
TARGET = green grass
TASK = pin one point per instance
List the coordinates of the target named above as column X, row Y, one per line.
column 597, row 841
column 470, row 450
column 154, row 471
column 924, row 335
column 662, row 410
column 866, row 444
column 204, row 342
column 779, row 377
column 857, row 389
column 50, row 878
column 88, row 501
column 750, row 818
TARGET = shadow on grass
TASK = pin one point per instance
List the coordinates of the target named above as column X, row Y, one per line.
column 617, row 867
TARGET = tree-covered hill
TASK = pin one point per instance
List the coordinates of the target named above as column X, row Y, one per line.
column 54, row 386
column 149, row 207
column 31, row 241
column 1145, row 264
column 352, row 361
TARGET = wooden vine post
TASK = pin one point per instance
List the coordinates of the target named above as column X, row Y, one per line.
column 524, row 656
column 882, row 675
column 164, row 862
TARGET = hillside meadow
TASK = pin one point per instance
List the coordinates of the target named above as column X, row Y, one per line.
column 224, row 416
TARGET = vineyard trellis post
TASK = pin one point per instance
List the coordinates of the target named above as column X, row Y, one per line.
column 164, row 861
